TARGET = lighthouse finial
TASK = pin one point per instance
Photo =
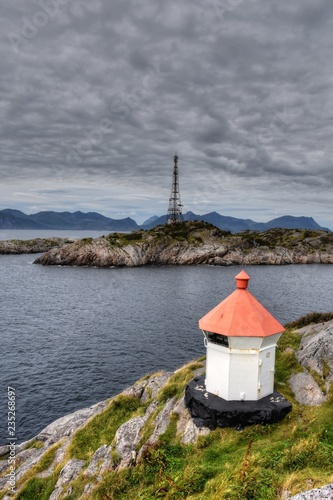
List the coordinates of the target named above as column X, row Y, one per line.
column 242, row 280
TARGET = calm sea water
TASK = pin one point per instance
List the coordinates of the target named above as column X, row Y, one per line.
column 71, row 337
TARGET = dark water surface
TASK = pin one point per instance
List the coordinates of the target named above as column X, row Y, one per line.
column 71, row 337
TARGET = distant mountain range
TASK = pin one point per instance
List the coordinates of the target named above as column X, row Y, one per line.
column 15, row 219
column 235, row 225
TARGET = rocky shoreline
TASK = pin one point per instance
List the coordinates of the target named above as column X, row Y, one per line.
column 193, row 244
column 56, row 457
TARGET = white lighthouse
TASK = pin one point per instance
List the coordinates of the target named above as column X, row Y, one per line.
column 240, row 339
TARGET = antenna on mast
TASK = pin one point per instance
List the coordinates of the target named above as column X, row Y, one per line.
column 175, row 205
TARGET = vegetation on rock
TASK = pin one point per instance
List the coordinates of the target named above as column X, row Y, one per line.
column 196, row 242
column 313, row 317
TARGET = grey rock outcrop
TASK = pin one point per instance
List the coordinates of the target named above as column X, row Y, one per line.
column 127, row 438
column 324, row 493
column 120, row 453
column 136, row 255
column 25, row 460
column 154, row 385
column 67, row 425
column 316, row 349
column 58, row 458
column 161, row 423
column 148, row 388
column 100, row 461
column 70, row 472
column 186, row 427
column 61, row 429
column 162, row 420
column 306, row 390
column 315, row 353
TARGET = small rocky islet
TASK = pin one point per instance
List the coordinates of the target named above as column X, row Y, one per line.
column 36, row 245
column 194, row 243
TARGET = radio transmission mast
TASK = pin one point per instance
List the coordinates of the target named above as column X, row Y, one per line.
column 175, row 205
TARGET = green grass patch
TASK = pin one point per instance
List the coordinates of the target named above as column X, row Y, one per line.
column 119, row 240
column 102, row 428
column 130, row 237
column 177, row 382
column 289, row 339
column 286, row 365
column 38, row 488
column 86, row 241
column 163, row 473
column 35, row 444
column 326, row 369
column 46, row 460
column 43, row 464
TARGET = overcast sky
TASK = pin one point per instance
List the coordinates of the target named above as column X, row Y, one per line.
column 97, row 95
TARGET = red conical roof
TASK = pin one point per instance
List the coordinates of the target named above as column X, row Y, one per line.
column 241, row 315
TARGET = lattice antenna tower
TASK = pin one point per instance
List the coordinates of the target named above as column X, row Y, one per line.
column 175, row 205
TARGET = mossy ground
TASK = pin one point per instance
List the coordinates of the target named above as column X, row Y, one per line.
column 190, row 232
column 196, row 233
column 34, row 444
column 38, row 488
column 258, row 463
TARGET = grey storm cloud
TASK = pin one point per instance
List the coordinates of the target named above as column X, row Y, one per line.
column 97, row 95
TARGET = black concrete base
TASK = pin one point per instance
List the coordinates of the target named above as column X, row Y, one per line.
column 212, row 411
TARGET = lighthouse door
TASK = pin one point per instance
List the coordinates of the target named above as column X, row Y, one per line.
column 266, row 372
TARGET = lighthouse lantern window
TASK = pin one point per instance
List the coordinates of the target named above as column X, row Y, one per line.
column 216, row 338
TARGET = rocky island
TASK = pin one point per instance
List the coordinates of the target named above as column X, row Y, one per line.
column 143, row 443
column 195, row 242
column 37, row 245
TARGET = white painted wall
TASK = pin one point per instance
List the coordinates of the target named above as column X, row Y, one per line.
column 270, row 341
column 243, row 376
column 217, row 370
column 242, row 371
column 245, row 342
column 266, row 372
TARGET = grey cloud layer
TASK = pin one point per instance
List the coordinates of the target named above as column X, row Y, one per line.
column 105, row 91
